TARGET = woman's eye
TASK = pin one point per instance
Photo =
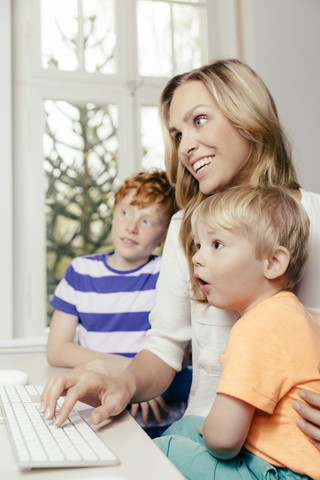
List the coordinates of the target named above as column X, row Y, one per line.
column 178, row 137
column 197, row 246
column 217, row 244
column 200, row 120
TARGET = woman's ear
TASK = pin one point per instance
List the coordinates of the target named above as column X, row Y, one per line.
column 277, row 264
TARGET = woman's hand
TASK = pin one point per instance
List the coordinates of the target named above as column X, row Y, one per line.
column 155, row 404
column 310, row 411
column 87, row 383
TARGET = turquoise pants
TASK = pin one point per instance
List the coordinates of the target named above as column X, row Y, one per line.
column 184, row 446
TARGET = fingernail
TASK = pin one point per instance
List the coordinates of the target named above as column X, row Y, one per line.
column 96, row 419
column 41, row 408
column 301, row 394
column 301, row 423
column 57, row 421
column 47, row 414
column 296, row 405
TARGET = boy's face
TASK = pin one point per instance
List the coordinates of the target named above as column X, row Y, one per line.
column 227, row 270
column 136, row 232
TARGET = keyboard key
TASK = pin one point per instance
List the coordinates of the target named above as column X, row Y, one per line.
column 38, row 443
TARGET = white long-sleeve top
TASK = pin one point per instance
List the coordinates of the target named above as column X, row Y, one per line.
column 176, row 319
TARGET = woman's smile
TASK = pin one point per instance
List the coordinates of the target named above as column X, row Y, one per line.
column 206, row 137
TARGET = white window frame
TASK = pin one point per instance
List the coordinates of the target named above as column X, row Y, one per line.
column 6, row 179
column 23, row 285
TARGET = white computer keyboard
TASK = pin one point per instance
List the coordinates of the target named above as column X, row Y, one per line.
column 38, row 443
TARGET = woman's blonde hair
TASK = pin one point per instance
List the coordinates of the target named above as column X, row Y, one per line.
column 245, row 100
column 269, row 216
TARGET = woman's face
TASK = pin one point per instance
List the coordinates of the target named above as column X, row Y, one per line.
column 209, row 146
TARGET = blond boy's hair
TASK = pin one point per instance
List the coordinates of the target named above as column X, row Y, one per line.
column 269, row 216
column 150, row 187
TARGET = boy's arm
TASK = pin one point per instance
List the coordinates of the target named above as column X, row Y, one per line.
column 63, row 352
column 226, row 426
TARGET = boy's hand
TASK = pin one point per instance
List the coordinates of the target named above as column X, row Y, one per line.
column 154, row 404
column 109, row 395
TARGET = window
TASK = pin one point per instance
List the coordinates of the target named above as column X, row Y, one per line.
column 87, row 75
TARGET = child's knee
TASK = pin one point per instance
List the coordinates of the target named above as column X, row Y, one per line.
column 163, row 443
column 191, row 458
column 175, row 446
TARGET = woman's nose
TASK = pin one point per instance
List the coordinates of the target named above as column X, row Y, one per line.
column 187, row 144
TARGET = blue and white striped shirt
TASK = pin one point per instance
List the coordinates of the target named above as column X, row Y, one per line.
column 112, row 306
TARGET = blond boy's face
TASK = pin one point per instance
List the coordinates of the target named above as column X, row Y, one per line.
column 227, row 270
column 136, row 232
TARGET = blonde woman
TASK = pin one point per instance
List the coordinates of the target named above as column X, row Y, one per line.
column 221, row 129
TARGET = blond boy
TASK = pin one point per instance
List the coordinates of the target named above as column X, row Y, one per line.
column 250, row 250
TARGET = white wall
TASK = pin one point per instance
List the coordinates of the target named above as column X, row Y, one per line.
column 281, row 41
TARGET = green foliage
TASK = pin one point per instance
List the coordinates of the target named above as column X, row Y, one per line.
column 81, row 175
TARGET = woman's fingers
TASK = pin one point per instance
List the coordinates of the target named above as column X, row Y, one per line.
column 309, row 410
column 54, row 389
column 312, row 398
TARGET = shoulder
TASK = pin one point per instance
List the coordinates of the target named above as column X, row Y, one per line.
column 89, row 264
column 174, row 228
column 176, row 220
column 310, row 201
column 278, row 315
column 152, row 266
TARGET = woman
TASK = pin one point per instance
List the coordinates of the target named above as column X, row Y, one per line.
column 221, row 128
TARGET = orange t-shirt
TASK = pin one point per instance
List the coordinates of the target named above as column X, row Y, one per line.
column 273, row 351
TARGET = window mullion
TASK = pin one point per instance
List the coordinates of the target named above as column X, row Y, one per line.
column 6, row 204
column 129, row 124
column 173, row 61
column 80, row 39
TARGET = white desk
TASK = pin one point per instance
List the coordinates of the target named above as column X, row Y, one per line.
column 140, row 458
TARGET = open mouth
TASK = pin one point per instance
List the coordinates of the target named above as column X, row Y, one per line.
column 128, row 241
column 201, row 282
column 203, row 162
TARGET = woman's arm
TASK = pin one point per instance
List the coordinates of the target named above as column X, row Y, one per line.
column 63, row 352
column 146, row 377
column 170, row 318
column 226, row 426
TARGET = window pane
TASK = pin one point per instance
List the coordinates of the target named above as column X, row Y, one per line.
column 154, row 38
column 59, row 25
column 170, row 36
column 80, row 164
column 188, row 30
column 99, row 36
column 152, row 142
